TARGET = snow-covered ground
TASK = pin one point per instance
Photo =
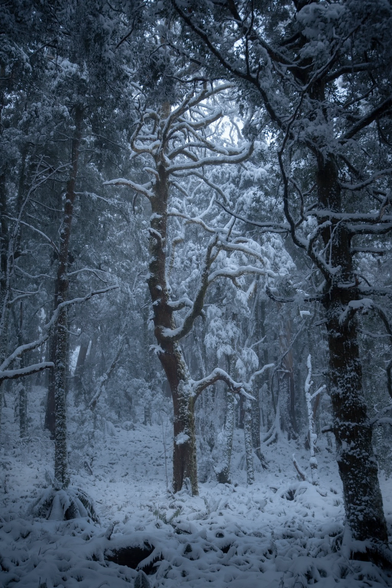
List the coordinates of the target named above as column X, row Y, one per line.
column 278, row 533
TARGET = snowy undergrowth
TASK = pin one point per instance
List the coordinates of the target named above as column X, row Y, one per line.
column 278, row 533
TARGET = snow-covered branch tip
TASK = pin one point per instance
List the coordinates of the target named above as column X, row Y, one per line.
column 143, row 189
column 46, row 330
column 220, row 375
column 26, row 371
column 364, row 305
column 259, row 373
column 236, row 273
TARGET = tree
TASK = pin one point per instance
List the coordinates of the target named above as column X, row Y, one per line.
column 175, row 145
column 319, row 74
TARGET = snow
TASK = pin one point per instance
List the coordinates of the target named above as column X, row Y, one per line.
column 181, row 438
column 277, row 533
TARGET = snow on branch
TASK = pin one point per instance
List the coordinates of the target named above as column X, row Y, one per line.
column 191, row 220
column 5, row 373
column 259, row 373
column 368, row 119
column 240, row 247
column 144, row 189
column 266, row 226
column 26, row 371
column 233, row 157
column 197, row 305
column 350, row 217
column 236, row 387
column 220, row 375
column 195, row 309
column 236, row 273
column 48, row 239
column 377, row 228
column 211, row 185
column 364, row 304
column 192, row 100
column 180, row 304
column 368, row 181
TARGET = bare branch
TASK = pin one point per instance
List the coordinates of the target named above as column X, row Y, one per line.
column 46, row 330
column 26, row 371
column 197, row 305
column 267, row 226
column 238, row 272
column 48, row 239
column 368, row 119
column 144, row 189
column 106, row 375
column 220, row 375
column 233, row 157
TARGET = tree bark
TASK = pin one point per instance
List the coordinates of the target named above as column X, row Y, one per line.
column 250, row 473
column 287, row 397
column 61, row 329
column 50, row 415
column 352, row 428
column 169, row 352
column 223, row 470
column 353, row 432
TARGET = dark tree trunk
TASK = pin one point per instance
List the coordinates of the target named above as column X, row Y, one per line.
column 4, row 241
column 61, row 329
column 22, row 387
column 287, row 398
column 50, row 416
column 170, row 354
column 353, row 432
column 223, row 474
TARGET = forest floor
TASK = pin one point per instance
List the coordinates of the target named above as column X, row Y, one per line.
column 279, row 532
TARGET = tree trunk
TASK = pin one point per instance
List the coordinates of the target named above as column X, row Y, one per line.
column 61, row 329
column 223, row 469
column 4, row 310
column 250, row 474
column 170, row 354
column 21, row 386
column 50, row 415
column 287, row 397
column 352, row 428
column 22, row 400
column 184, row 450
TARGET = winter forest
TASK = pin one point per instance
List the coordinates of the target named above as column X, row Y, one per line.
column 195, row 293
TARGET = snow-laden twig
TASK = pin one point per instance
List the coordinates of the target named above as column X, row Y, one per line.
column 46, row 330
column 364, row 304
column 235, row 157
column 238, row 272
column 26, row 371
column 192, row 220
column 48, row 239
column 216, row 375
column 259, row 372
column 144, row 189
